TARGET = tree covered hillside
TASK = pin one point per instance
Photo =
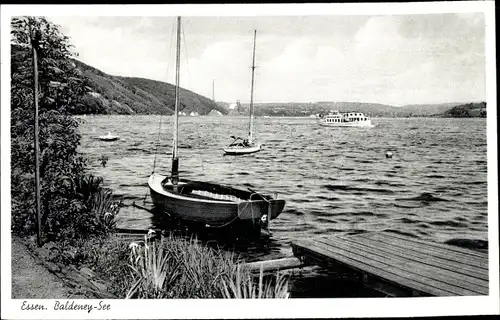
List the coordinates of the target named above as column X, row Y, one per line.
column 130, row 95
column 301, row 109
column 123, row 95
column 469, row 110
column 190, row 101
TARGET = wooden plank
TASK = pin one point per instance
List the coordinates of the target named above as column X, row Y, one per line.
column 476, row 262
column 415, row 266
column 382, row 270
column 437, row 269
column 275, row 265
column 429, row 259
column 433, row 260
column 308, row 247
column 401, row 267
column 447, row 247
column 452, row 251
column 473, row 258
column 411, row 266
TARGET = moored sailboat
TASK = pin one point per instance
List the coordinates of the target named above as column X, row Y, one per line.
column 240, row 145
column 205, row 203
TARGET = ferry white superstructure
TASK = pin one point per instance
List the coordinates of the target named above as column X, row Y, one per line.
column 345, row 119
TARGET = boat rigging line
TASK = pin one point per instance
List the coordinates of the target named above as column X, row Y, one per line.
column 161, row 116
column 189, row 82
column 187, row 57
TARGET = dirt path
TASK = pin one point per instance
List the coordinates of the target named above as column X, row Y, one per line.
column 31, row 280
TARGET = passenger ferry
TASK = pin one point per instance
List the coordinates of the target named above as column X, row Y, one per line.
column 345, row 119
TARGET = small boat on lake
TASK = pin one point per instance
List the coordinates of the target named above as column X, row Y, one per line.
column 205, row 203
column 345, row 119
column 241, row 146
column 109, row 137
column 245, row 146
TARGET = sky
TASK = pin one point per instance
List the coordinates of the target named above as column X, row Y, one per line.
column 389, row 59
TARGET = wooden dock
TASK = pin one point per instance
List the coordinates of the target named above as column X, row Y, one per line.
column 400, row 266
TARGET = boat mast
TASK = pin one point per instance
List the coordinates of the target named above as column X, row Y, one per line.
column 175, row 158
column 251, row 90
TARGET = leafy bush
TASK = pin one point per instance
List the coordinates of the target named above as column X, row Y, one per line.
column 66, row 212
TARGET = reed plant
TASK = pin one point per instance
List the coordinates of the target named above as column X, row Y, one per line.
column 154, row 271
column 170, row 268
column 244, row 286
column 180, row 268
column 203, row 269
column 105, row 208
column 87, row 186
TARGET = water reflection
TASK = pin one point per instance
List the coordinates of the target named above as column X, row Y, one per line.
column 245, row 242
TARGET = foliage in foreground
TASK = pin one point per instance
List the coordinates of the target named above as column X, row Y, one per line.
column 171, row 268
column 107, row 256
column 243, row 286
column 67, row 213
column 177, row 268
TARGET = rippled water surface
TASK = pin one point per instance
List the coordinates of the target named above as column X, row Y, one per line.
column 335, row 180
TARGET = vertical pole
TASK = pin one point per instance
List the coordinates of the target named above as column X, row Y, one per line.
column 213, row 90
column 37, row 146
column 251, row 90
column 175, row 158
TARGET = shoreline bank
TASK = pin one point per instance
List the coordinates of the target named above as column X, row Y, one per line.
column 34, row 276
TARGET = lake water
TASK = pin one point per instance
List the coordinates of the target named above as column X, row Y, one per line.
column 334, row 180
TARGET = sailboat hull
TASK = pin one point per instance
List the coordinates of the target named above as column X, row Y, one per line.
column 105, row 138
column 238, row 150
column 212, row 204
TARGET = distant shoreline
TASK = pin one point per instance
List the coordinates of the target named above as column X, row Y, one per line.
column 274, row 116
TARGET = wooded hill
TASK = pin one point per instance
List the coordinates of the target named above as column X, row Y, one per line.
column 126, row 95
column 469, row 110
column 297, row 109
column 130, row 95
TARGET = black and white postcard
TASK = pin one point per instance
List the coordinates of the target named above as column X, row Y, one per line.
column 249, row 161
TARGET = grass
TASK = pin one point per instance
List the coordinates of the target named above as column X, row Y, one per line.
column 155, row 271
column 243, row 286
column 178, row 268
column 170, row 268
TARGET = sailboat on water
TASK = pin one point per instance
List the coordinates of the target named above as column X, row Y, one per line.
column 245, row 146
column 109, row 137
column 209, row 204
